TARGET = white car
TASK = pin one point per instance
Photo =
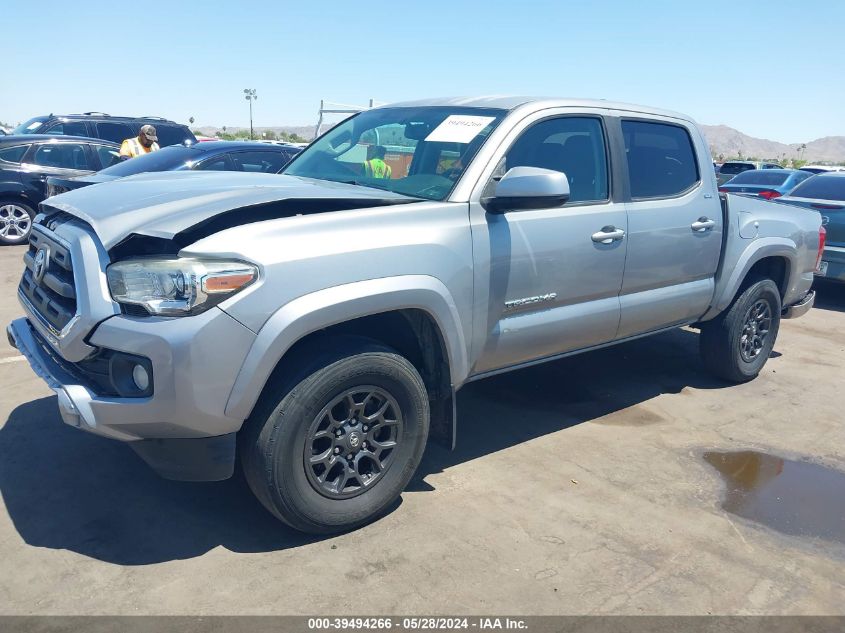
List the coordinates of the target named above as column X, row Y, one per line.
column 822, row 169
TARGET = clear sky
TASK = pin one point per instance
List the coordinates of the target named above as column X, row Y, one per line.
column 770, row 68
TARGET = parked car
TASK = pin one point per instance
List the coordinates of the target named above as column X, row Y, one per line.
column 26, row 162
column 733, row 167
column 211, row 156
column 109, row 128
column 321, row 321
column 825, row 193
column 822, row 169
column 765, row 183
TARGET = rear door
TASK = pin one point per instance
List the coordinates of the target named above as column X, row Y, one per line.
column 674, row 225
column 55, row 159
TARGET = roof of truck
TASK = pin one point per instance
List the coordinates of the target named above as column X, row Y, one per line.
column 511, row 102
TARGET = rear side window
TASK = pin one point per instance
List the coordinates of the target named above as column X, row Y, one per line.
column 661, row 159
column 114, row 132
column 13, row 154
column 217, row 163
column 108, row 155
column 572, row 145
column 264, row 162
column 822, row 188
column 170, row 134
column 67, row 128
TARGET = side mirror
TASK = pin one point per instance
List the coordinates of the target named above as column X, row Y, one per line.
column 528, row 188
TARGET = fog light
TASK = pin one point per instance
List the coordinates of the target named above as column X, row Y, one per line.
column 140, row 377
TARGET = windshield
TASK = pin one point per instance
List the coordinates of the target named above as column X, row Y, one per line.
column 822, row 187
column 419, row 152
column 31, row 126
column 760, row 177
column 165, row 159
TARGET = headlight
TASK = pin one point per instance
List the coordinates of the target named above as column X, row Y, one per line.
column 176, row 286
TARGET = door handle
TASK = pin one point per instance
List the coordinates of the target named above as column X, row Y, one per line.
column 608, row 235
column 702, row 224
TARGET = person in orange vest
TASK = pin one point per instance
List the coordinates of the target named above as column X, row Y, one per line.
column 375, row 167
column 144, row 143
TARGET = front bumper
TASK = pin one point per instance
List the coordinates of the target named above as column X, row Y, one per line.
column 195, row 362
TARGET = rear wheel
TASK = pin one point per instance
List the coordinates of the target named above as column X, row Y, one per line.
column 15, row 222
column 736, row 344
column 335, row 451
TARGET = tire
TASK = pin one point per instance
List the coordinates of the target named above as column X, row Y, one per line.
column 736, row 344
column 15, row 222
column 315, row 417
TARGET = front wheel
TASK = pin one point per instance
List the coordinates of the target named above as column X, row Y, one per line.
column 736, row 344
column 339, row 447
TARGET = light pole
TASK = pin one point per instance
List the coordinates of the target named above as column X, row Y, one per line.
column 250, row 94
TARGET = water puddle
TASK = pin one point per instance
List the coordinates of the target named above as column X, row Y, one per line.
column 795, row 498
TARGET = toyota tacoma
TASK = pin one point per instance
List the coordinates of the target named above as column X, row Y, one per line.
column 319, row 323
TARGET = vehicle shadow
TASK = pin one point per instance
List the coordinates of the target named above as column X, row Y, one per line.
column 66, row 489
column 829, row 295
column 508, row 409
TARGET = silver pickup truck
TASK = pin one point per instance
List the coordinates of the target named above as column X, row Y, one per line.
column 319, row 323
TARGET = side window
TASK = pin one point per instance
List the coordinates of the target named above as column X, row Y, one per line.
column 661, row 159
column 572, row 145
column 170, row 134
column 114, row 132
column 68, row 128
column 218, row 163
column 62, row 156
column 266, row 162
column 108, row 156
column 13, row 154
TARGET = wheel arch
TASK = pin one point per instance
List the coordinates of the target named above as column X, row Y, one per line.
column 774, row 258
column 413, row 314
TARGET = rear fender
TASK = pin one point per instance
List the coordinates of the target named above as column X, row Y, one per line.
column 728, row 286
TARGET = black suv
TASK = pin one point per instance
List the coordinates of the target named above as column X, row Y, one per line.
column 109, row 128
column 25, row 164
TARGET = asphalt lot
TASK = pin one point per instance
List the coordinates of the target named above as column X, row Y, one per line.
column 589, row 485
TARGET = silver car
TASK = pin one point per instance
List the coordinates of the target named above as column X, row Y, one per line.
column 321, row 322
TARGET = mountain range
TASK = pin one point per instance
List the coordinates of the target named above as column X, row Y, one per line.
column 729, row 142
column 723, row 140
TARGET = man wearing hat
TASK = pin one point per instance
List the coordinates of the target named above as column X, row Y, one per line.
column 144, row 143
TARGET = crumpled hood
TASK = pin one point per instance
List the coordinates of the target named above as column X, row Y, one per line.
column 163, row 204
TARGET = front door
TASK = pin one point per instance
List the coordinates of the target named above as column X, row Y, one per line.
column 554, row 275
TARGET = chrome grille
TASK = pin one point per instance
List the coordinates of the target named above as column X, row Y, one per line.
column 48, row 282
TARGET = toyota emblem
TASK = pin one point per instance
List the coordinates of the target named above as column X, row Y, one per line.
column 41, row 263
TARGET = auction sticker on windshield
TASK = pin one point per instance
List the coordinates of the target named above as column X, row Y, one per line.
column 459, row 128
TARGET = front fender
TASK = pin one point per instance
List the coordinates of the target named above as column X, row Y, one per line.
column 728, row 285
column 324, row 308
